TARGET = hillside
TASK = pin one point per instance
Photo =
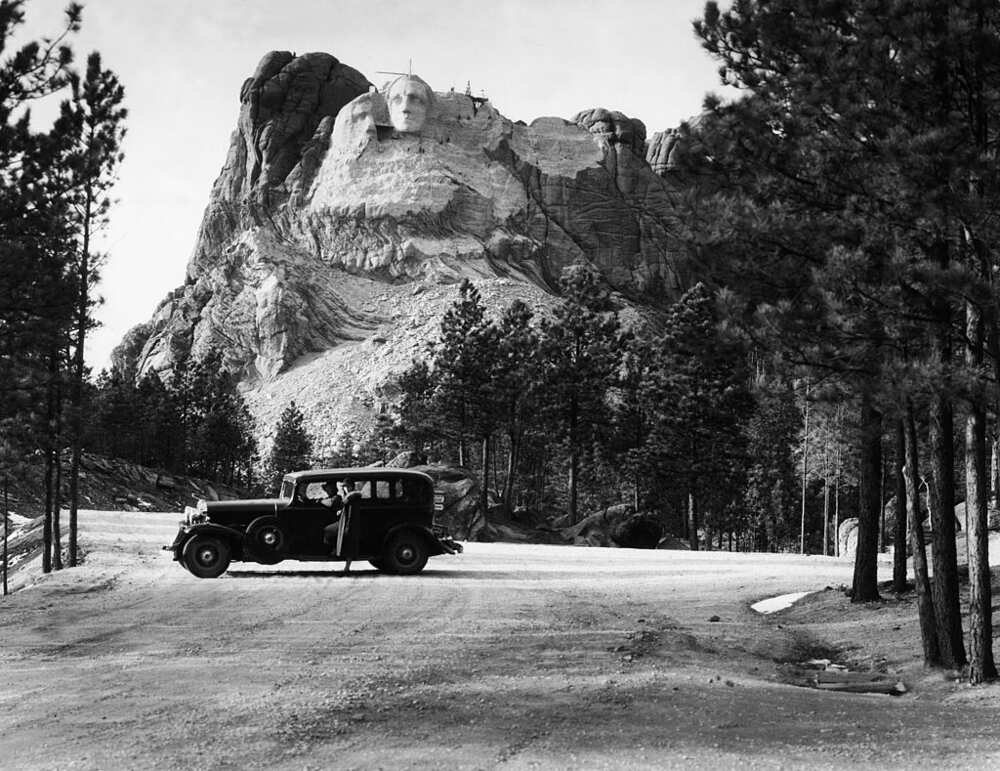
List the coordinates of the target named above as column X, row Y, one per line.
column 340, row 225
column 105, row 484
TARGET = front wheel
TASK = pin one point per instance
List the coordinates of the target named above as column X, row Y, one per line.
column 405, row 554
column 206, row 556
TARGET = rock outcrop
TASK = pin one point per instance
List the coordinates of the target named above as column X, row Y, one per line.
column 617, row 525
column 344, row 217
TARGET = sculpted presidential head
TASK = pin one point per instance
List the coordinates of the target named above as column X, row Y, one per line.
column 409, row 100
column 357, row 121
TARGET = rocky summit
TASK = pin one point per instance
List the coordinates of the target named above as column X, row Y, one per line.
column 345, row 216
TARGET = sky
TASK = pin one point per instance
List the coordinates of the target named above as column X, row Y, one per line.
column 182, row 63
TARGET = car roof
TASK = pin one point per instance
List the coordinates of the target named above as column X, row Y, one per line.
column 367, row 472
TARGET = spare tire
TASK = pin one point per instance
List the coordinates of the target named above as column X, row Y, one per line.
column 266, row 540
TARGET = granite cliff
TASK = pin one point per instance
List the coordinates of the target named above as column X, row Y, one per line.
column 344, row 217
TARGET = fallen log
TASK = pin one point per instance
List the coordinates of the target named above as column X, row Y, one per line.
column 859, row 682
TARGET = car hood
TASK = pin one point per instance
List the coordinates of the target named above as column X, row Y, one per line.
column 258, row 504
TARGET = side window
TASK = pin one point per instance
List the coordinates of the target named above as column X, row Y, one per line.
column 383, row 490
column 365, row 488
column 312, row 492
column 414, row 491
column 398, row 490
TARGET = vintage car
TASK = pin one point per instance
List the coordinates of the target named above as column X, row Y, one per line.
column 393, row 510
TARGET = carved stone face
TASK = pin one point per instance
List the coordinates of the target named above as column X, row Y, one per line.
column 356, row 122
column 408, row 98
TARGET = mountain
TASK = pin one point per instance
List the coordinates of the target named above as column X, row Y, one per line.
column 345, row 216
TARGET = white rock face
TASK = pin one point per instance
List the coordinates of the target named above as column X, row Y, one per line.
column 334, row 240
column 341, row 390
column 449, row 175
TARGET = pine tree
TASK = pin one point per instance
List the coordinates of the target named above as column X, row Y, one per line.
column 95, row 116
column 516, row 387
column 771, row 432
column 464, row 363
column 36, row 234
column 220, row 432
column 293, row 446
column 578, row 351
column 698, row 397
column 455, row 371
column 414, row 425
column 925, row 602
column 156, row 423
column 629, row 419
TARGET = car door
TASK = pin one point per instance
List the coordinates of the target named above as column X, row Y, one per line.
column 306, row 518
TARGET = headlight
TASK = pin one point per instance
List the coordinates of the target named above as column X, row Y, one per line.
column 202, row 506
column 192, row 515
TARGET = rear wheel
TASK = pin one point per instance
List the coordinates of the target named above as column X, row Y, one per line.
column 265, row 540
column 206, row 556
column 406, row 553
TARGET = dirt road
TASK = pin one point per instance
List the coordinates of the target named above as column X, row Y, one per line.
column 506, row 656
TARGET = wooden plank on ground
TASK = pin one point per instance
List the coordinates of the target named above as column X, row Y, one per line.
column 859, row 682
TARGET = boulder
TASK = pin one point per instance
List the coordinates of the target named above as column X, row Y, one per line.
column 638, row 531
column 461, row 498
column 847, row 538
column 617, row 525
column 673, row 543
column 165, row 482
column 408, row 459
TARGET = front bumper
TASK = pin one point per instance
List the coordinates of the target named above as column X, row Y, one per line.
column 179, row 539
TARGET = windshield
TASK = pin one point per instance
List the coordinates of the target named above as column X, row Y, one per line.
column 287, row 488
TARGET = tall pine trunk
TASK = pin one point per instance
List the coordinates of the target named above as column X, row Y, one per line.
column 945, row 586
column 836, row 509
column 6, row 533
column 981, row 663
column 805, row 469
column 508, row 483
column 574, row 473
column 945, row 560
column 865, row 585
column 692, row 520
column 899, row 531
column 484, row 490
column 47, row 522
column 574, row 458
column 57, row 563
column 76, row 394
column 826, row 516
column 995, row 456
column 51, row 443
column 914, row 517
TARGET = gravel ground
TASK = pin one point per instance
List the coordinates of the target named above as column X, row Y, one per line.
column 506, row 656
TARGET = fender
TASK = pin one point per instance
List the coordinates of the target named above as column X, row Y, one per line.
column 435, row 545
column 235, row 537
